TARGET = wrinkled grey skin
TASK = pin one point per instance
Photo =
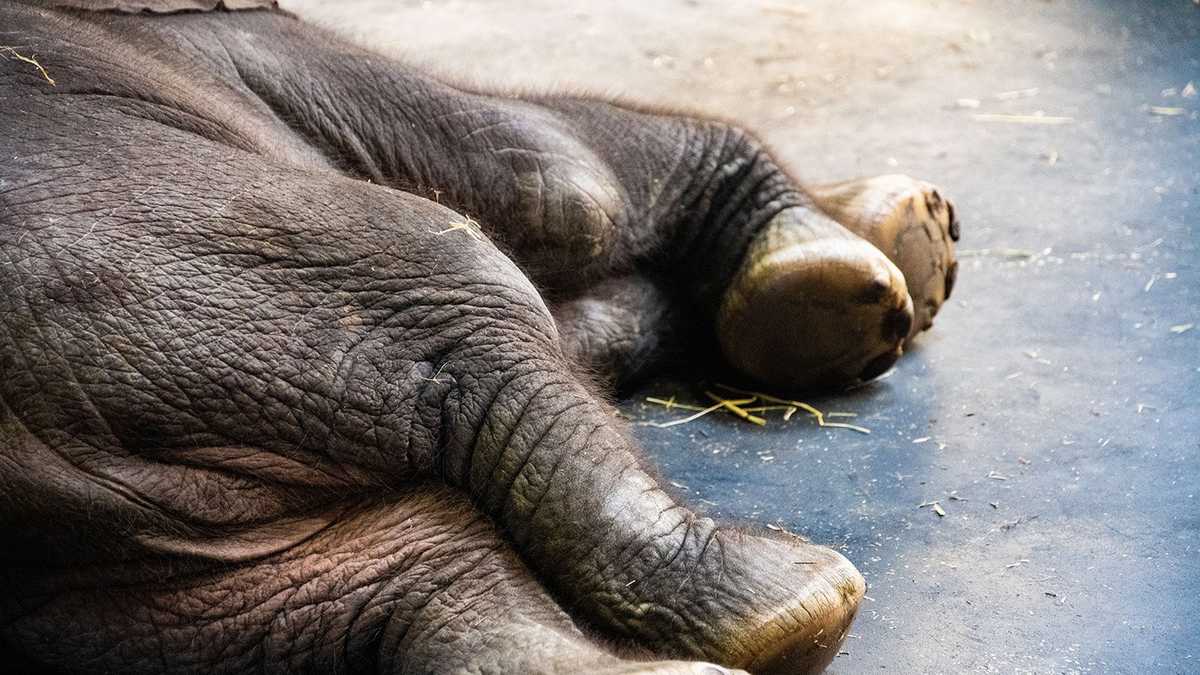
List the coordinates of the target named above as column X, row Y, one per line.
column 265, row 406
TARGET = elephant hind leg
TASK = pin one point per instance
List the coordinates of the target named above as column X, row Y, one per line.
column 911, row 222
column 421, row 583
column 622, row 329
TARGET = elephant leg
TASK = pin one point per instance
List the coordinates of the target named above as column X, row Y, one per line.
column 621, row 329
column 419, row 582
column 582, row 190
column 912, row 223
column 189, row 294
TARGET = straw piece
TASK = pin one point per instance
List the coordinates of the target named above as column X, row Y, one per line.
column 734, row 408
column 817, row 414
column 685, row 420
column 30, row 60
column 701, row 412
column 1023, row 119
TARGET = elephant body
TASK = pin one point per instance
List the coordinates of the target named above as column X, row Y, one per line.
column 302, row 357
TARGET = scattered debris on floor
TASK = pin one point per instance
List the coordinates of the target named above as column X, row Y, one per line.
column 743, row 409
column 787, row 10
column 937, row 507
column 1014, row 523
column 701, row 412
column 1017, row 93
column 800, row 405
column 736, row 409
column 1036, row 357
column 1006, row 253
column 1023, row 119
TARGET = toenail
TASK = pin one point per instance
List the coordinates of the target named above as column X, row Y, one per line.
column 876, row 290
column 896, row 324
column 951, row 277
column 934, row 201
column 954, row 227
column 879, row 365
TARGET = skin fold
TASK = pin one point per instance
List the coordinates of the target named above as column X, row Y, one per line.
column 299, row 351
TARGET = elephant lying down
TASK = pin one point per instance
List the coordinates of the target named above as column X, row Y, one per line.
column 292, row 354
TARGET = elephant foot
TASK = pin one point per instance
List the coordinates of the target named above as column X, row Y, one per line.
column 765, row 605
column 807, row 610
column 912, row 223
column 813, row 305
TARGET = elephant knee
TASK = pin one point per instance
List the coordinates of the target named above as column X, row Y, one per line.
column 573, row 215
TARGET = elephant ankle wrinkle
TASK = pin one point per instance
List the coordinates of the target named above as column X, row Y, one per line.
column 738, row 192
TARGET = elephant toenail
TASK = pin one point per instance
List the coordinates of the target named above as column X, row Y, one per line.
column 954, row 227
column 876, row 291
column 709, row 669
column 879, row 365
column 951, row 277
column 933, row 201
column 896, row 324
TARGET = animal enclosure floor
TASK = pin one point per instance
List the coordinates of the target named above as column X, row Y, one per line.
column 1054, row 411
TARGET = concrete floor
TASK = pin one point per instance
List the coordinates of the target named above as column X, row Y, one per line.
column 1058, row 395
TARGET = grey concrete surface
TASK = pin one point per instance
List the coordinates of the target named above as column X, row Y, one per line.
column 1057, row 396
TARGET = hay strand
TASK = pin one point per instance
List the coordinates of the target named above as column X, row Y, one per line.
column 30, row 60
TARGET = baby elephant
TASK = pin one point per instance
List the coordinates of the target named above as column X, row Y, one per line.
column 295, row 351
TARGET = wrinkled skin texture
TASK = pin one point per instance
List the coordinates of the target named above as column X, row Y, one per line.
column 298, row 348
